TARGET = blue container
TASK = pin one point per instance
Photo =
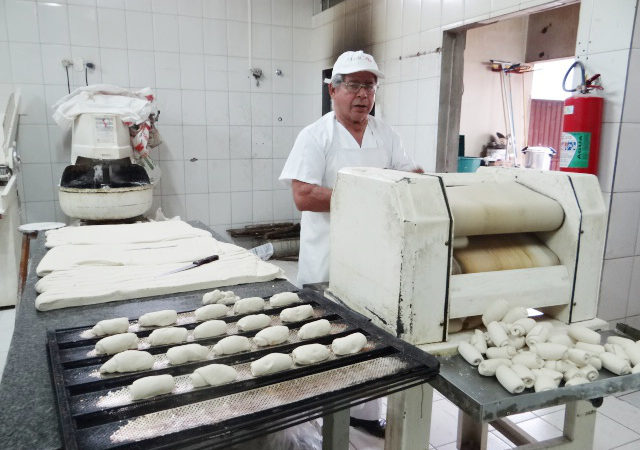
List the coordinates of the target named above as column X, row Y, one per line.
column 468, row 163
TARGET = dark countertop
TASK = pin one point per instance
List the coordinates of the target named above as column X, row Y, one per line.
column 28, row 412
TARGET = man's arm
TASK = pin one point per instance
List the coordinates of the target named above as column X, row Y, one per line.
column 311, row 197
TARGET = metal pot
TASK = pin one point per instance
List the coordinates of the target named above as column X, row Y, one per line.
column 538, row 157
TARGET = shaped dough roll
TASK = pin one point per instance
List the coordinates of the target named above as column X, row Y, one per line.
column 254, row 322
column 575, row 381
column 594, row 349
column 148, row 387
column 509, row 380
column 296, row 314
column 623, row 341
column 218, row 296
column 271, row 336
column 517, row 313
column 525, row 374
column 350, row 344
column 314, row 329
column 495, row 312
column 633, row 352
column 283, row 299
column 578, row 357
column 584, row 334
column 111, row 326
column 617, row 350
column 544, row 383
column 549, row 350
column 488, row 367
column 528, row 359
column 310, row 354
column 186, row 353
column 470, row 353
column 213, row 375
column 210, row 328
column 214, row 311
column 271, row 363
column 117, row 343
column 167, row 336
column 595, row 362
column 521, row 326
column 538, row 334
column 589, row 372
column 613, row 363
column 158, row 318
column 516, row 342
column 248, row 305
column 560, row 338
column 501, row 352
column 128, row 361
column 232, row 344
column 553, row 374
column 479, row 341
column 497, row 334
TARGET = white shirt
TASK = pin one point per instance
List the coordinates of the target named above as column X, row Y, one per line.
column 320, row 151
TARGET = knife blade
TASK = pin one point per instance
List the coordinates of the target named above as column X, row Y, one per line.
column 196, row 263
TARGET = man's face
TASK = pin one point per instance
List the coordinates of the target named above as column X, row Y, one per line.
column 353, row 107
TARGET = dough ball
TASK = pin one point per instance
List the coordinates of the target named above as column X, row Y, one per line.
column 111, row 326
column 128, row 361
column 186, row 353
column 314, row 329
column 210, row 328
column 271, row 336
column 214, row 311
column 166, row 336
column 283, row 299
column 271, row 363
column 248, row 305
column 347, row 345
column 297, row 313
column 117, row 343
column 310, row 354
column 254, row 322
column 158, row 318
column 151, row 386
column 232, row 344
column 213, row 375
column 218, row 296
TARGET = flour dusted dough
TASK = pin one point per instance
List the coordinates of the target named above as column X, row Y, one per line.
column 500, row 352
column 213, row 375
column 271, row 363
column 470, row 353
column 584, row 334
column 495, row 311
column 296, row 314
column 283, row 299
column 271, row 336
column 314, row 329
column 613, row 363
column 310, row 354
column 348, row 344
column 214, row 311
column 488, row 367
column 166, row 336
column 253, row 322
column 148, row 387
column 497, row 334
column 218, row 296
column 158, row 318
column 210, row 328
column 117, row 343
column 516, row 313
column 248, row 305
column 128, row 361
column 525, row 374
column 186, row 353
column 509, row 379
column 521, row 326
column 111, row 326
column 231, row 345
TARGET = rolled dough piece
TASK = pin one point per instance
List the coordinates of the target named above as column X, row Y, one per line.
column 231, row 345
column 516, row 342
column 470, row 353
column 620, row 341
column 248, row 305
column 575, row 381
column 350, row 344
column 310, row 354
column 589, row 372
column 186, row 353
column 595, row 362
column 488, row 367
column 314, row 329
column 509, row 379
column 478, row 341
column 254, row 322
column 497, row 334
column 213, row 375
column 283, row 299
column 158, row 318
column 151, row 386
column 495, row 311
column 613, row 363
column 538, row 334
column 553, row 374
column 521, row 326
column 527, row 376
column 271, row 336
column 128, row 361
column 578, row 357
column 528, row 359
column 117, row 343
column 549, row 350
column 210, row 328
column 572, row 372
column 516, row 313
column 501, row 352
column 544, row 383
column 214, row 311
column 633, row 351
column 166, row 336
column 297, row 313
column 583, row 334
column 218, row 296
column 594, row 349
column 271, row 363
column 560, row 338
column 111, row 326
column 617, row 350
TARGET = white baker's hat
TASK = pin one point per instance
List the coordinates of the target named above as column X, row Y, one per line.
column 352, row 62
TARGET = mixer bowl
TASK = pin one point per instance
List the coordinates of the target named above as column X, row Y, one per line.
column 106, row 203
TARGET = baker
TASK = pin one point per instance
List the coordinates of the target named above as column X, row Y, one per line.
column 346, row 137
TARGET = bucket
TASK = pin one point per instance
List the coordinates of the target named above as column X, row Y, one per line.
column 538, row 157
column 468, row 163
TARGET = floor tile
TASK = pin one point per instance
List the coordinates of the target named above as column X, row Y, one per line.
column 517, row 418
column 540, row 429
column 620, row 411
column 635, row 445
column 549, row 410
column 437, row 395
column 364, row 441
column 444, row 423
column 610, row 434
column 555, row 418
column 632, row 398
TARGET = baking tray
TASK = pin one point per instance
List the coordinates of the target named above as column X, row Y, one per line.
column 96, row 411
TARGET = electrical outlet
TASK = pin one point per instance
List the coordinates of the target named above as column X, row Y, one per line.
column 78, row 64
column 66, row 62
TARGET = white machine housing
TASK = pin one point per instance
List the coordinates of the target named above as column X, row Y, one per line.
column 100, row 136
column 391, row 252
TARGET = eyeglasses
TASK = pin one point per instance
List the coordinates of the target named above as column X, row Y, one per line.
column 354, row 87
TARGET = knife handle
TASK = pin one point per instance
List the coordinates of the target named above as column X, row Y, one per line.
column 206, row 260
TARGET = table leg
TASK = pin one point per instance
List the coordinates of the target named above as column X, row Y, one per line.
column 335, row 430
column 471, row 434
column 24, row 261
column 409, row 418
column 580, row 423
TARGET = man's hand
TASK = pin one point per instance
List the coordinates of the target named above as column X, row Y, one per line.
column 311, row 197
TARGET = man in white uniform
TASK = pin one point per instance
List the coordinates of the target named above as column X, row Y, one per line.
column 346, row 137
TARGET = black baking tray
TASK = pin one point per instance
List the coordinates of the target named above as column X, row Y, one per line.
column 88, row 423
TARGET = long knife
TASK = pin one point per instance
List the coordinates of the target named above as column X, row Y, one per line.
column 196, row 263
